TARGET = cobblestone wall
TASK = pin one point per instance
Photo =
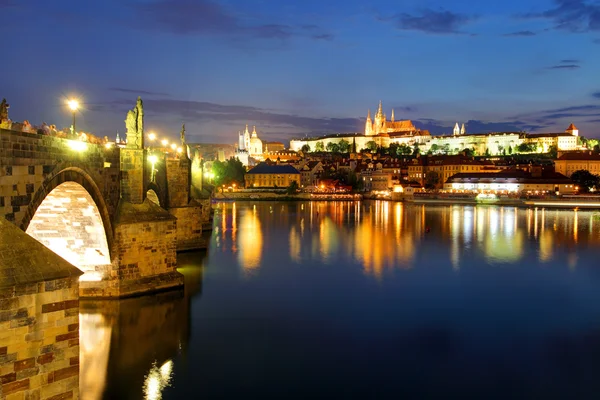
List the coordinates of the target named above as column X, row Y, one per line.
column 178, row 178
column 39, row 340
column 190, row 223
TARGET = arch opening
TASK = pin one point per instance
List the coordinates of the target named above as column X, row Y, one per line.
column 68, row 222
column 153, row 197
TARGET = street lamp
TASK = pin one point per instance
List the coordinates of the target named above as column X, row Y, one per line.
column 164, row 142
column 74, row 106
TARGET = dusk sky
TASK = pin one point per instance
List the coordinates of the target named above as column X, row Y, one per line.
column 303, row 67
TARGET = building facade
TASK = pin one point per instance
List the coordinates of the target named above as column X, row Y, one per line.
column 568, row 163
column 511, row 182
column 271, row 176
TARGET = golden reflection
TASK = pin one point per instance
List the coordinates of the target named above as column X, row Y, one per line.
column 233, row 228
column 157, row 380
column 546, row 245
column 295, row 245
column 328, row 240
column 575, row 226
column 94, row 340
column 250, row 244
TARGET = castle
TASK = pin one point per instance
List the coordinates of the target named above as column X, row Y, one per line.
column 382, row 126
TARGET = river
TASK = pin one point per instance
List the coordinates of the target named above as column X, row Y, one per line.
column 363, row 300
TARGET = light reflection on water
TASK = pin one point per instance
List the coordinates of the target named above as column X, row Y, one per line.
column 368, row 299
column 384, row 236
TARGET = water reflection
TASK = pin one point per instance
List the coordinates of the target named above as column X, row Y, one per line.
column 128, row 346
column 383, row 236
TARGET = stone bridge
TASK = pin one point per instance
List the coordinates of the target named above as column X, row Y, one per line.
column 119, row 214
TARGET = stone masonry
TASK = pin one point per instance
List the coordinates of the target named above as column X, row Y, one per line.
column 39, row 320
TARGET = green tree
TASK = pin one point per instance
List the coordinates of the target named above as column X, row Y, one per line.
column 592, row 143
column 432, row 179
column 344, row 146
column 229, row 172
column 332, row 147
column 404, row 150
column 416, row 149
column 468, row 152
column 319, row 146
column 305, row 148
column 510, row 150
column 434, row 148
column 371, row 145
column 526, row 148
column 553, row 151
column 487, row 152
column 446, row 149
column 392, row 150
column 586, row 180
column 293, row 188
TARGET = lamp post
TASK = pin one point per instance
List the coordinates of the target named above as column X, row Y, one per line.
column 74, row 106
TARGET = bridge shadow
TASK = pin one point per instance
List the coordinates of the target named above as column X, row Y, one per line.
column 129, row 347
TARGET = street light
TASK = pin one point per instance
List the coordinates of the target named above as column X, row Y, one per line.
column 164, row 142
column 152, row 136
column 74, row 106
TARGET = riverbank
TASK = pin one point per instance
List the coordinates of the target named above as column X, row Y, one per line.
column 510, row 202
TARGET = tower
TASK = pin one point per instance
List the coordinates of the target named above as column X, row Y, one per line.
column 572, row 129
column 247, row 138
column 241, row 142
column 463, row 130
column 254, row 134
column 379, row 119
column 369, row 125
column 456, row 130
column 392, row 115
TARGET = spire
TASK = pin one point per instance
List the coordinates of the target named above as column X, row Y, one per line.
column 392, row 115
column 369, row 114
column 118, row 139
column 463, row 130
column 254, row 129
column 246, row 129
column 380, row 110
column 456, row 129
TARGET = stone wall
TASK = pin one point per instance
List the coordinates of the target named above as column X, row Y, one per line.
column 27, row 160
column 178, row 180
column 39, row 340
column 132, row 175
column 190, row 224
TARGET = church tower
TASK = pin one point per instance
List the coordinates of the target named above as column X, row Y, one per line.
column 572, row 129
column 392, row 115
column 369, row 125
column 379, row 120
column 463, row 131
column 456, row 130
column 247, row 138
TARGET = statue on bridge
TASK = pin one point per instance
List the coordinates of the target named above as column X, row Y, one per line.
column 4, row 121
column 183, row 135
column 135, row 125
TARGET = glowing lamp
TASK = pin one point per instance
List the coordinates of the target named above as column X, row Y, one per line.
column 173, row 146
column 77, row 145
column 153, row 159
column 164, row 142
column 73, row 104
column 179, row 150
column 152, row 136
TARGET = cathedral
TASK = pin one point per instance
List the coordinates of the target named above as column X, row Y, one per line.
column 249, row 146
column 382, row 125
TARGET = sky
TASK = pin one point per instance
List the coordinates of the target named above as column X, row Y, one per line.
column 297, row 68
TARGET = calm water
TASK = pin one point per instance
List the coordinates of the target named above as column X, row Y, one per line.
column 365, row 300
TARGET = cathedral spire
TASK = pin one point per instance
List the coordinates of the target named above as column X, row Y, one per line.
column 392, row 115
column 380, row 109
column 463, row 130
column 456, row 129
column 369, row 114
column 246, row 131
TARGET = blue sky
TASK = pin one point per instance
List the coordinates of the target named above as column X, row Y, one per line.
column 303, row 67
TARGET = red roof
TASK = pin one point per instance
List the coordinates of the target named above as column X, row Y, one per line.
column 571, row 127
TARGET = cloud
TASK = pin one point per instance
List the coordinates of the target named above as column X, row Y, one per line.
column 208, row 17
column 596, row 95
column 564, row 66
column 574, row 16
column 569, row 61
column 520, row 34
column 138, row 92
column 431, row 21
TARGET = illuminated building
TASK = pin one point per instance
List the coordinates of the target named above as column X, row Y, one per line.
column 445, row 167
column 568, row 163
column 511, row 181
column 271, row 176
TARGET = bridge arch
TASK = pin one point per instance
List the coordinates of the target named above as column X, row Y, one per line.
column 69, row 215
column 154, row 194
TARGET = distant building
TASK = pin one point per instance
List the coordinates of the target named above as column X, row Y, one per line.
column 516, row 181
column 568, row 163
column 445, row 167
column 272, row 176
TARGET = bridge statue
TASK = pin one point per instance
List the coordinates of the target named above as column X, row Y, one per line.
column 135, row 125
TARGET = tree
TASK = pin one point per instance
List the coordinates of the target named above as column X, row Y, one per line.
column 344, row 146
column 332, row 147
column 434, row 148
column 510, row 150
column 446, row 149
column 293, row 188
column 393, row 149
column 416, row 149
column 432, row 179
column 487, row 152
column 586, row 180
column 553, row 151
column 319, row 146
column 468, row 152
column 228, row 172
column 403, row 150
column 305, row 148
column 371, row 145
column 592, row 143
column 526, row 148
